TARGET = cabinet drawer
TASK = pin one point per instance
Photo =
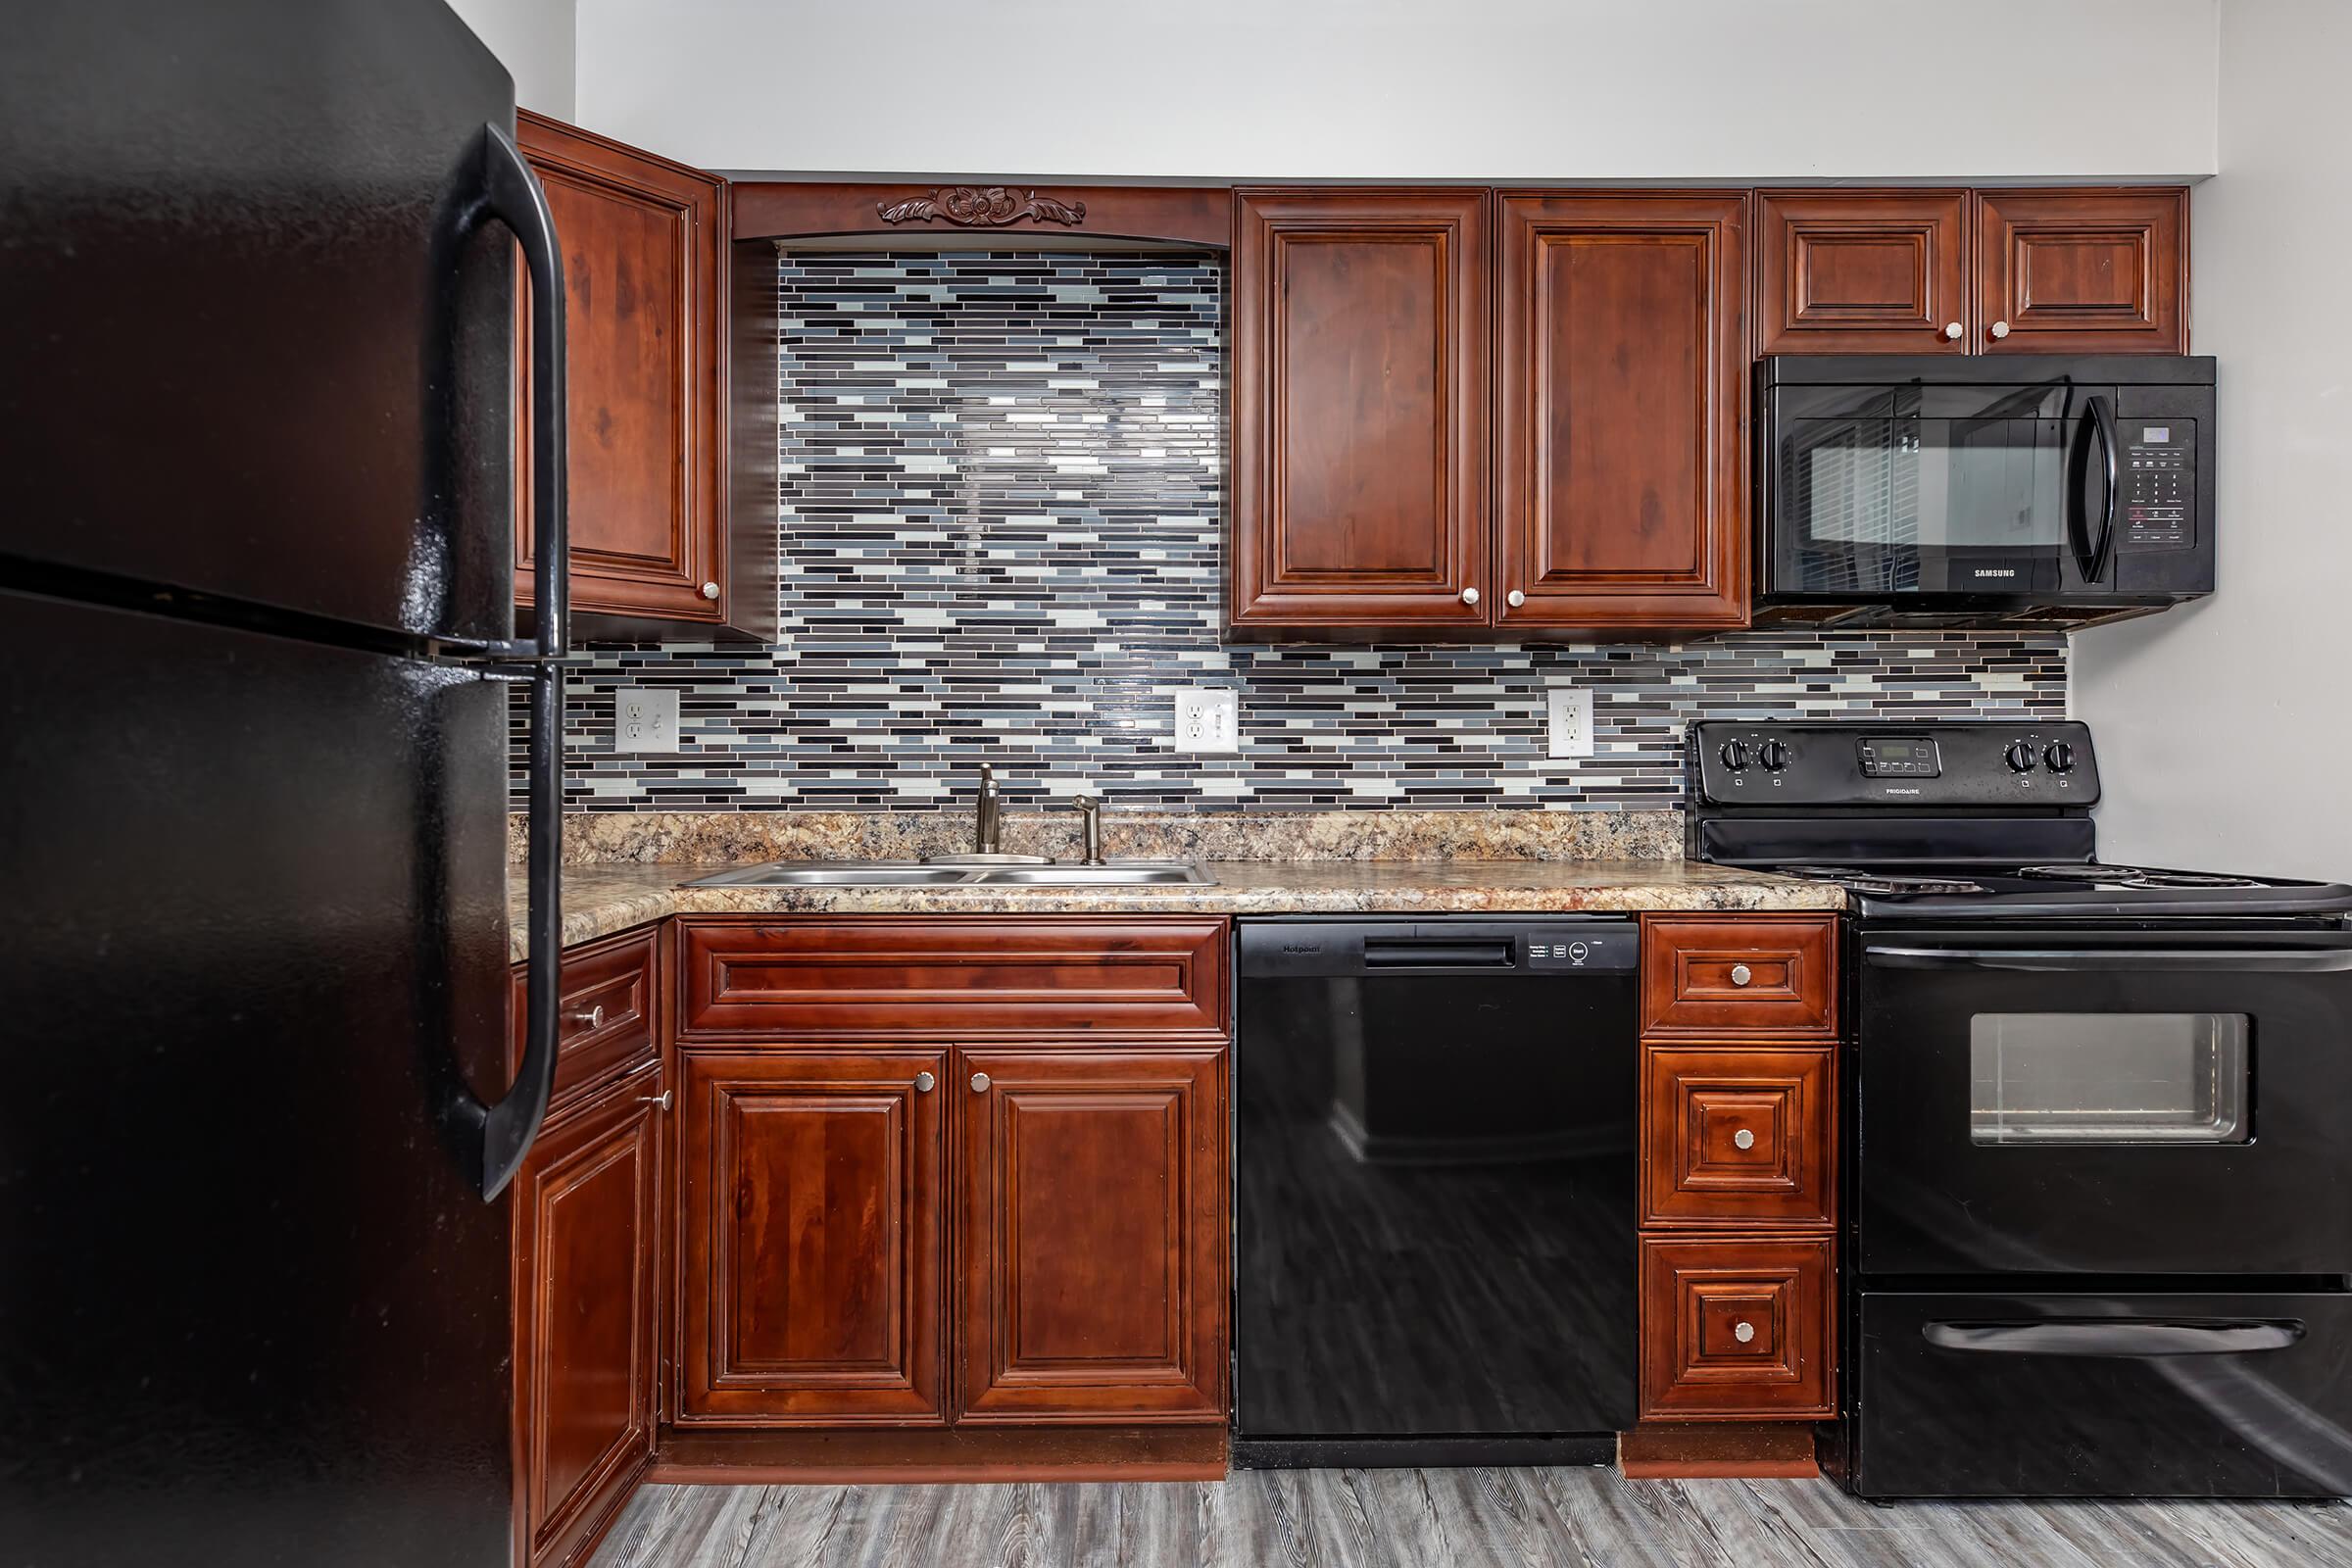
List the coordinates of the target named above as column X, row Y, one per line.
column 1738, row 1135
column 1737, row 1328
column 604, row 1016
column 1738, row 974
column 955, row 977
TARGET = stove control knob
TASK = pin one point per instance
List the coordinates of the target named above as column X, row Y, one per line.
column 2060, row 757
column 1733, row 755
column 1774, row 755
column 2022, row 757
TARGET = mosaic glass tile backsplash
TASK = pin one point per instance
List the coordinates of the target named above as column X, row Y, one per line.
column 1002, row 490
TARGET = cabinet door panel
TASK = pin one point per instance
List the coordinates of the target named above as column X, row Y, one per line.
column 1360, row 341
column 587, row 1240
column 1881, row 271
column 2075, row 271
column 1623, row 402
column 811, row 1249
column 1092, row 1236
column 642, row 276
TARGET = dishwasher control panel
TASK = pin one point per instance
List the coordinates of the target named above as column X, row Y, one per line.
column 1464, row 945
column 1578, row 949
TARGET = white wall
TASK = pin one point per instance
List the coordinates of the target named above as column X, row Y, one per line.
column 2226, row 728
column 537, row 41
column 1408, row 89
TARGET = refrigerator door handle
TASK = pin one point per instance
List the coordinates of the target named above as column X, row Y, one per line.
column 511, row 194
column 513, row 1124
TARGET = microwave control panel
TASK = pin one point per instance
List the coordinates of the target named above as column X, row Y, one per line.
column 2156, row 474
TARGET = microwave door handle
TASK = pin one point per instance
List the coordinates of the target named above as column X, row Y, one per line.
column 2286, row 961
column 2100, row 413
column 2116, row 1336
column 2078, row 513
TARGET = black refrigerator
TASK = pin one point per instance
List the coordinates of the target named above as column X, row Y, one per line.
column 260, row 266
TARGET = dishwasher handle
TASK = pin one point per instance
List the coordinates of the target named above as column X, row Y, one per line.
column 1545, row 946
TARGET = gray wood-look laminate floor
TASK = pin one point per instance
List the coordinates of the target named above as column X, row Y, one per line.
column 1585, row 1518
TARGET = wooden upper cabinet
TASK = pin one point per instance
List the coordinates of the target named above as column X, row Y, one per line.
column 1359, row 411
column 2082, row 272
column 644, row 277
column 1862, row 271
column 1620, row 418
column 1090, row 1236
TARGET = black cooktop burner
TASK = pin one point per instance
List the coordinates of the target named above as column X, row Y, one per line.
column 1861, row 880
column 2068, row 888
column 2140, row 876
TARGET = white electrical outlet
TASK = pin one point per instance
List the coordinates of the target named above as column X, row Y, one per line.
column 1208, row 718
column 645, row 718
column 1571, row 722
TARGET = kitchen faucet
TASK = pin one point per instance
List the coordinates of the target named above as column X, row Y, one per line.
column 1089, row 810
column 985, row 827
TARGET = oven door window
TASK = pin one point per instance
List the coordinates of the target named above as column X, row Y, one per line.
column 2110, row 1078
column 1903, row 492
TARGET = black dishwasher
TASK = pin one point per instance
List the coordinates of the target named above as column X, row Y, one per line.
column 1433, row 1161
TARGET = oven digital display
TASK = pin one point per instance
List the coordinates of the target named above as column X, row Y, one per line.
column 1900, row 757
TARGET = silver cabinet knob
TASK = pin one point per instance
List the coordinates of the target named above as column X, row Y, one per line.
column 980, row 1083
column 1742, row 974
column 923, row 1082
column 593, row 1017
column 1743, row 1330
column 709, row 590
column 1514, row 599
column 1469, row 595
column 662, row 1099
column 1744, row 1139
column 1953, row 329
column 2000, row 329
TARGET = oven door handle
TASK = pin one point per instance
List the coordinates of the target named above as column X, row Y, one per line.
column 2284, row 960
column 2118, row 1337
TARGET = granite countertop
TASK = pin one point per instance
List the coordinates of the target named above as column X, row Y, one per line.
column 600, row 900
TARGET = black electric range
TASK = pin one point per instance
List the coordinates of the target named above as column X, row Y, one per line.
column 2097, row 1197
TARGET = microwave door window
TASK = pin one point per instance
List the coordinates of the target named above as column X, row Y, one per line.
column 1905, row 504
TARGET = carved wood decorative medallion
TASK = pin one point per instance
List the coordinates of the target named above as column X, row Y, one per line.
column 982, row 207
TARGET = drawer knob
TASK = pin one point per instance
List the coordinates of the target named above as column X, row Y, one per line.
column 1744, row 1139
column 1742, row 974
column 1743, row 1330
column 1953, row 329
column 979, row 1083
column 2000, row 329
column 709, row 590
column 662, row 1099
column 1469, row 595
column 1514, row 599
column 593, row 1017
column 923, row 1082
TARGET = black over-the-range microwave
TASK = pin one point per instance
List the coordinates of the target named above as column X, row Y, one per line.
column 1922, row 490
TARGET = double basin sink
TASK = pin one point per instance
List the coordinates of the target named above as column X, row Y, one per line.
column 949, row 874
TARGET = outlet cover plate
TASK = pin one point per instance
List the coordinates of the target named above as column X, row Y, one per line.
column 645, row 718
column 1208, row 718
column 1571, row 722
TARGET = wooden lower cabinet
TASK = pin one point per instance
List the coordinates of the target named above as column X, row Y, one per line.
column 811, row 1249
column 1738, row 1185
column 587, row 1247
column 1738, row 1327
column 1091, row 1235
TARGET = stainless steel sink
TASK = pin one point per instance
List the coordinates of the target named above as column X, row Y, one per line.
column 915, row 874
